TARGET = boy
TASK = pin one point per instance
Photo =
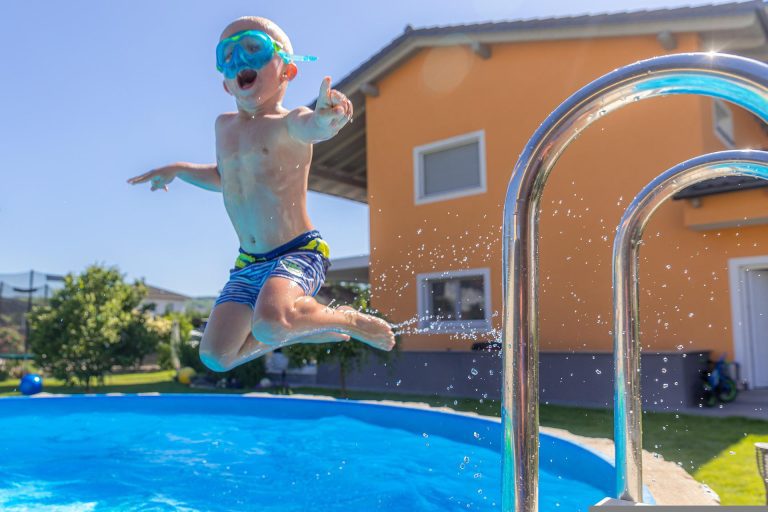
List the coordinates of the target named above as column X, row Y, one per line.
column 263, row 154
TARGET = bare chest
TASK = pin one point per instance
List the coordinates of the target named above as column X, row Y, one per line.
column 259, row 152
column 261, row 140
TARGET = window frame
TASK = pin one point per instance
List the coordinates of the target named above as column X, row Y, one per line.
column 453, row 326
column 720, row 134
column 433, row 147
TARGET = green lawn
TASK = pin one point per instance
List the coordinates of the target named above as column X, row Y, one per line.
column 716, row 451
column 157, row 382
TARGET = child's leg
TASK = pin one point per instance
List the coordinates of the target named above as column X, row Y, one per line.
column 228, row 341
column 285, row 315
column 228, row 327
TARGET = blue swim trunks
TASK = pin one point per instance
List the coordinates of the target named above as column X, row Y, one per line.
column 304, row 260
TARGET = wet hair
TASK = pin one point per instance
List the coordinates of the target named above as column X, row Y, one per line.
column 257, row 23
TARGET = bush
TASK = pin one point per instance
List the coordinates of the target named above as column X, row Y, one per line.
column 349, row 355
column 11, row 340
column 91, row 325
column 164, row 325
column 247, row 375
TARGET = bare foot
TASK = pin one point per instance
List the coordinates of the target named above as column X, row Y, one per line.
column 370, row 330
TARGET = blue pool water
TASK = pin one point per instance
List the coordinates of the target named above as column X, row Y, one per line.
column 237, row 453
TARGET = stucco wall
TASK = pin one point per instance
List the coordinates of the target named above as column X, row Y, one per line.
column 444, row 92
column 670, row 381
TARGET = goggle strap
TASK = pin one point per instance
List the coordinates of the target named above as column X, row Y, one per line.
column 304, row 58
column 296, row 58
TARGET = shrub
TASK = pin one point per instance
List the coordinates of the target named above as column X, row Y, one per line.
column 91, row 325
column 248, row 375
column 348, row 355
column 11, row 340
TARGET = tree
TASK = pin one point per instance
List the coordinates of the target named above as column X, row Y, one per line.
column 11, row 340
column 348, row 355
column 169, row 347
column 91, row 325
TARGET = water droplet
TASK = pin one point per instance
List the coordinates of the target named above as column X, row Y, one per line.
column 473, row 371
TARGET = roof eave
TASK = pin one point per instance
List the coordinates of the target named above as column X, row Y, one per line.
column 411, row 41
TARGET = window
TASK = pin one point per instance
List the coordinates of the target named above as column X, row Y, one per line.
column 450, row 168
column 455, row 301
column 723, row 120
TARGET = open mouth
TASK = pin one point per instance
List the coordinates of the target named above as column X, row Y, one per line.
column 246, row 78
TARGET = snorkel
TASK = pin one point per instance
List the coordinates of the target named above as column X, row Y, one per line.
column 251, row 49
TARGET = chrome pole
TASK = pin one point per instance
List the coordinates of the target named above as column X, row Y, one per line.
column 626, row 321
column 736, row 79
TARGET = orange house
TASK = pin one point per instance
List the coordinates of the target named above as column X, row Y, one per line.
column 442, row 115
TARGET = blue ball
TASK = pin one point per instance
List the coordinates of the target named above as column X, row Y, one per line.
column 31, row 384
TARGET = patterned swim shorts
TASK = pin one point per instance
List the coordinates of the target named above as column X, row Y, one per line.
column 304, row 260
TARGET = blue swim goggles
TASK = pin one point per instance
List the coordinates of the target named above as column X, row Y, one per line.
column 251, row 49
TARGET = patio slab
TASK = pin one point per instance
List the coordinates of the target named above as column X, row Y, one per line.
column 749, row 404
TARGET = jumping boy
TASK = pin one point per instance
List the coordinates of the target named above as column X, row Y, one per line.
column 263, row 155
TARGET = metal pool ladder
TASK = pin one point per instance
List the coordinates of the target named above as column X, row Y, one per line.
column 738, row 80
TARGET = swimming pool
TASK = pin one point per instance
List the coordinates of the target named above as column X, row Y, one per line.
column 213, row 452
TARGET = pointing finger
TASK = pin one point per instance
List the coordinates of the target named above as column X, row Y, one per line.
column 324, row 98
column 140, row 179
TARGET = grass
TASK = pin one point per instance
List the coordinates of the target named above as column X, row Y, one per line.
column 149, row 382
column 716, row 451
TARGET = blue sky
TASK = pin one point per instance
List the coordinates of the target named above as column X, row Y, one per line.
column 94, row 92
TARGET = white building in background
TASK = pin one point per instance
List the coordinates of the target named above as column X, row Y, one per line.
column 351, row 269
column 164, row 301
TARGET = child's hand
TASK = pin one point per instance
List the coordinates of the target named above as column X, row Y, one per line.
column 158, row 178
column 333, row 110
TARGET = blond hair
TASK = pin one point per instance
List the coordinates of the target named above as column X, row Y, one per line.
column 258, row 23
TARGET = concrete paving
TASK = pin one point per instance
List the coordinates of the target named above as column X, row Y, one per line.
column 668, row 483
column 749, row 404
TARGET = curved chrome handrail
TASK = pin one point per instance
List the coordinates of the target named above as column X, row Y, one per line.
column 736, row 79
column 626, row 321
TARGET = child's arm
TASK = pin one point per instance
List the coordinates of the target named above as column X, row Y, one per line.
column 332, row 111
column 201, row 175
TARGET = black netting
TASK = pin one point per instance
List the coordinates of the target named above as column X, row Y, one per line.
column 19, row 292
column 23, row 284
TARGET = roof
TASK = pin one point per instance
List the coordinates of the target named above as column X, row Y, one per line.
column 721, row 185
column 155, row 293
column 350, row 269
column 339, row 165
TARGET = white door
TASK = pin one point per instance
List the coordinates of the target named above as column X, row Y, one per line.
column 757, row 308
